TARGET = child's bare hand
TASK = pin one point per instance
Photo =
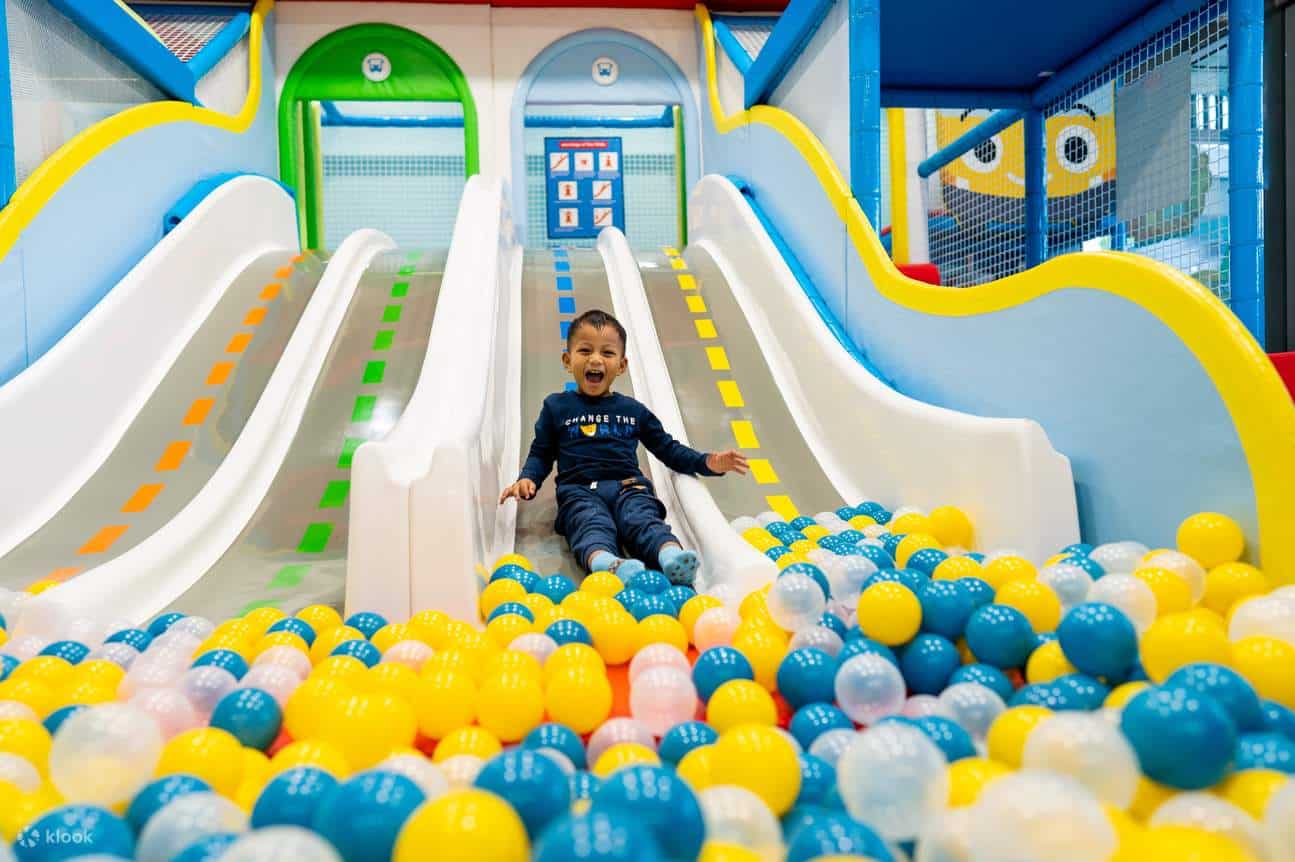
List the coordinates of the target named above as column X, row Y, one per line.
column 727, row 462
column 522, row 489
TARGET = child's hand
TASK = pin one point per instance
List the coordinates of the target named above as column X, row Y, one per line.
column 522, row 489
column 727, row 462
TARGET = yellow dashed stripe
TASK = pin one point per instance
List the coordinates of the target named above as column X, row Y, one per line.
column 678, row 263
column 730, row 393
column 783, row 505
column 762, row 471
column 687, row 282
column 718, row 358
column 696, row 304
column 705, row 328
column 744, row 434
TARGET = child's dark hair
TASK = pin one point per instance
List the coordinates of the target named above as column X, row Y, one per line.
column 597, row 319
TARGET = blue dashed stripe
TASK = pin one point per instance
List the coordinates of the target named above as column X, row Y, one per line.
column 564, row 328
column 562, row 266
column 565, row 283
column 566, row 305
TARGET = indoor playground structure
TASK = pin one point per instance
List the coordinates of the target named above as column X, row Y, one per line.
column 979, row 290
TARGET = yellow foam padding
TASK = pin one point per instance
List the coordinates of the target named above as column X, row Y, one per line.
column 37, row 190
column 1253, row 394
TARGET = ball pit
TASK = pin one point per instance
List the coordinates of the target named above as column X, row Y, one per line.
column 888, row 696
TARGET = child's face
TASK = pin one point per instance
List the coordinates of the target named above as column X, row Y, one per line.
column 595, row 358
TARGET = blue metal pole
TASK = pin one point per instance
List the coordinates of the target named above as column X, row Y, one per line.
column 1036, row 188
column 8, row 165
column 968, row 140
column 1245, row 154
column 865, row 107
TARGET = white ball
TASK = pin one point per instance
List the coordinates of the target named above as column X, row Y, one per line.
column 412, row 654
column 922, row 705
column 275, row 843
column 1212, row 814
column 614, row 731
column 735, row 815
column 120, row 654
column 1032, row 815
column 744, row 523
column 766, row 518
column 845, row 576
column 461, row 769
column 204, row 687
column 1070, row 582
column 1184, row 566
column 1119, row 558
column 973, row 706
column 817, row 637
column 535, row 644
column 104, row 754
column 657, row 655
column 278, row 681
column 662, row 697
column 199, row 627
column 829, row 745
column 1130, row 595
column 429, row 777
column 727, row 594
column 1267, row 616
column 564, row 763
column 18, row 710
column 1089, row 749
column 894, row 778
column 26, row 647
column 183, row 821
column 795, row 600
column 1279, row 824
column 869, row 687
column 19, row 772
column 169, row 709
column 286, row 656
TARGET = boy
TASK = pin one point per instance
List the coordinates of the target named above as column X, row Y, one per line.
column 604, row 501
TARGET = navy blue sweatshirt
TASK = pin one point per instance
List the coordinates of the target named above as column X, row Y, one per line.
column 597, row 438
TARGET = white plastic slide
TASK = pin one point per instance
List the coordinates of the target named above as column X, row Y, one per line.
column 423, row 499
column 60, row 418
column 154, row 573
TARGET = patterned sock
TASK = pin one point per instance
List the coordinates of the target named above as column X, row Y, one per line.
column 679, row 565
column 604, row 561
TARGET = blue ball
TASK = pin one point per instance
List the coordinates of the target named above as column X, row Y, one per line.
column 683, row 738
column 909, row 579
column 160, row 624
column 511, row 572
column 1226, row 686
column 251, row 715
column 157, row 794
column 225, row 659
column 137, row 638
column 948, row 735
column 363, row 650
column 566, row 631
column 946, row 608
column 1084, row 692
column 890, row 541
column 7, row 665
column 813, row 720
column 1039, row 694
column 74, row 830
column 629, row 599
column 292, row 625
column 833, row 834
column 1098, row 639
column 661, row 802
column 807, row 675
column 990, row 677
column 678, row 595
column 876, row 554
column 845, row 513
column 927, row 662
column 55, row 719
column 812, row 571
column 533, row 785
column 1278, row 719
column 801, row 522
column 583, row 784
column 363, row 816
column 555, row 588
column 1001, row 636
column 817, row 778
column 852, row 537
column 1088, row 564
column 558, row 737
column 1182, row 738
column 1266, row 751
column 208, row 848
column 926, row 559
column 597, row 836
column 72, row 652
column 1078, row 549
column 717, row 666
column 981, row 592
column 511, row 608
column 652, row 605
column 834, row 623
column 777, row 551
column 292, row 797
column 366, row 622
column 649, row 582
column 863, row 646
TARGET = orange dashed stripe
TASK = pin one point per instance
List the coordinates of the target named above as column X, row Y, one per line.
column 298, row 259
column 104, row 539
column 270, row 291
column 254, row 317
column 239, row 342
column 219, row 373
column 283, row 272
column 198, row 411
column 58, row 576
column 143, row 497
column 173, row 455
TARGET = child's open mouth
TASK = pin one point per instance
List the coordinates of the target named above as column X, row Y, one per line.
column 594, row 377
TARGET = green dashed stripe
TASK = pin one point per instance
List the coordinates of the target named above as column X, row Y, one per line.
column 349, row 445
column 315, row 539
column 399, row 289
column 289, row 576
column 375, row 371
column 364, row 405
column 335, row 494
column 384, row 339
column 407, row 269
column 391, row 314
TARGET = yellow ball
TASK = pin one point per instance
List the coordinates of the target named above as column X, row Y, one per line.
column 282, row 638
column 788, row 559
column 573, row 655
column 1148, row 796
column 511, row 660
column 209, row 753
column 814, row 532
column 367, row 726
column 1003, row 570
column 696, row 767
column 951, row 526
column 615, row 636
column 330, row 639
column 602, row 584
column 513, row 560
column 312, row 700
column 1250, row 789
column 1128, row 832
column 506, row 628
column 662, row 629
column 100, row 672
column 538, row 603
column 801, row 547
column 1037, row 601
column 907, row 524
column 740, row 701
column 1122, row 694
column 760, row 539
column 19, row 810
column 320, row 617
column 1046, row 663
column 722, row 851
column 862, row 522
column 579, row 696
column 1181, row 639
column 1269, row 665
column 343, row 668
column 624, row 754
column 392, row 678
column 1211, row 539
column 1187, row 844
column 764, row 647
column 755, row 603
column 889, row 613
column 473, row 740
column 391, row 634
column 463, row 825
column 495, row 594
column 957, row 567
column 260, row 619
column 1009, row 732
column 969, row 776
column 47, row 670
column 911, row 544
column 443, row 701
column 510, row 705
column 310, row 752
column 759, row 758
column 1173, row 594
column 1229, row 583
column 84, row 693
column 693, row 608
column 27, row 739
column 39, row 696
column 430, row 626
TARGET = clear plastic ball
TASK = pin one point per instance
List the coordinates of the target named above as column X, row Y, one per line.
column 12, row 604
column 183, row 821
column 922, row 705
column 1031, row 814
column 15, row 709
column 1184, row 566
column 662, row 697
column 1070, row 582
column 1212, row 814
column 727, row 594
column 873, row 531
column 715, row 627
column 19, row 772
column 795, row 600
column 1278, row 828
column 869, row 687
column 817, row 637
column 285, row 656
column 614, row 731
column 735, row 815
column 42, row 617
column 1265, row 616
column 86, row 630
column 26, row 647
column 535, row 644
column 120, row 654
column 169, row 708
column 177, row 642
column 819, row 556
column 830, row 745
column 845, row 576
column 429, row 777
column 744, row 523
column 973, row 706
column 104, row 754
column 564, row 763
column 151, row 671
column 461, row 769
column 1129, row 595
column 199, row 627
column 204, row 687
column 946, row 838
column 766, row 518
column 278, row 681
column 1089, row 749
column 1119, row 558
column 276, row 843
column 657, row 655
column 893, row 778
column 413, row 654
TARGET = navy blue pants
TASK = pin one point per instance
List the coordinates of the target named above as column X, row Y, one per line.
column 612, row 516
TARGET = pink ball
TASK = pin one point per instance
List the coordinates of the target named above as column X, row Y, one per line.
column 715, row 627
column 535, row 644
column 120, row 654
column 657, row 655
column 285, row 656
column 277, row 681
column 615, row 731
column 169, row 708
column 412, row 654
column 205, row 686
column 662, row 697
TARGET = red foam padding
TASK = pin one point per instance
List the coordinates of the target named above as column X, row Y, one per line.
column 927, row 272
column 1285, row 363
